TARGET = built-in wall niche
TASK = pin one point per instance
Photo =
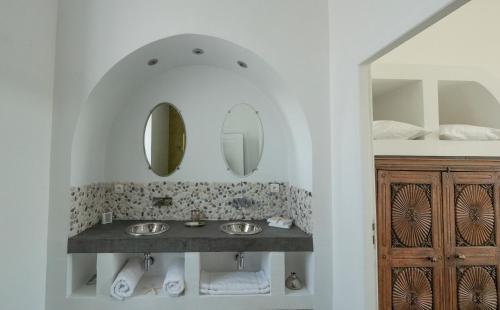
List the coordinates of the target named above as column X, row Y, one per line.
column 398, row 100
column 430, row 96
column 109, row 265
column 229, row 261
column 226, row 261
column 467, row 102
column 302, row 263
column 82, row 275
column 276, row 266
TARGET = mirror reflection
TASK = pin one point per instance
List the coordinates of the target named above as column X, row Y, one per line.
column 242, row 139
column 164, row 139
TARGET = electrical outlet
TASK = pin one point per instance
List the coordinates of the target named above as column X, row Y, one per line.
column 119, row 188
column 274, row 187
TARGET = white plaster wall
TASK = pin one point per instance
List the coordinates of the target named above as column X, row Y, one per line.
column 450, row 94
column 293, row 37
column 467, row 103
column 359, row 31
column 127, row 77
column 290, row 35
column 465, row 38
column 27, row 51
column 204, row 95
column 403, row 104
column 462, row 45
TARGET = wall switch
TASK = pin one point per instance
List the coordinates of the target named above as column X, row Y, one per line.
column 119, row 188
column 274, row 187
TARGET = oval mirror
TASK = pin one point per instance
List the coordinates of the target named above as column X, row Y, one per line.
column 164, row 139
column 242, row 139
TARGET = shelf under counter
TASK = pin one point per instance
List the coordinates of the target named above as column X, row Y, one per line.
column 112, row 238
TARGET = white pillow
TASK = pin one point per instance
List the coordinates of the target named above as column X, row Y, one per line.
column 468, row 132
column 397, row 130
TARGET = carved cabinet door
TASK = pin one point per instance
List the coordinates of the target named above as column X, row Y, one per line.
column 471, row 201
column 410, row 240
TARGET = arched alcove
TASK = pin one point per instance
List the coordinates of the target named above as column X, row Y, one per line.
column 117, row 107
column 107, row 147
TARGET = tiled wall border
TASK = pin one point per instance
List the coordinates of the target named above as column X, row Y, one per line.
column 300, row 207
column 213, row 198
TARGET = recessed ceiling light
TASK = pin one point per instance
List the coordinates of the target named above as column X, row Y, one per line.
column 242, row 64
column 198, row 51
column 152, row 62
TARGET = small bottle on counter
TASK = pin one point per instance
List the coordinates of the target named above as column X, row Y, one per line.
column 107, row 217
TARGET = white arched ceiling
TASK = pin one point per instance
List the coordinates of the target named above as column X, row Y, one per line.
column 131, row 73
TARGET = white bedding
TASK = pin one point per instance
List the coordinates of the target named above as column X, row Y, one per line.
column 468, row 133
column 392, row 130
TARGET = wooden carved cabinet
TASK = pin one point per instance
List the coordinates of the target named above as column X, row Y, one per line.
column 437, row 232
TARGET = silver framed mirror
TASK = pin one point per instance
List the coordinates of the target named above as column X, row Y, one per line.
column 242, row 139
column 164, row 139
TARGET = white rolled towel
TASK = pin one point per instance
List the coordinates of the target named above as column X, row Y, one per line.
column 127, row 279
column 174, row 284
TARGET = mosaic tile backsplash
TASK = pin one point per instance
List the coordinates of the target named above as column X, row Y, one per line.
column 299, row 208
column 214, row 199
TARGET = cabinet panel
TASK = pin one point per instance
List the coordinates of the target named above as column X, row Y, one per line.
column 409, row 214
column 410, row 243
column 412, row 284
column 476, row 287
column 472, row 285
column 471, row 207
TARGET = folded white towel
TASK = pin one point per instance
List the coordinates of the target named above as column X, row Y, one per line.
column 231, row 292
column 237, row 280
column 279, row 225
column 279, row 221
column 174, row 284
column 234, row 283
column 127, row 279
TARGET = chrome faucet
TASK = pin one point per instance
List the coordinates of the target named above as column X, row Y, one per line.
column 240, row 260
column 148, row 261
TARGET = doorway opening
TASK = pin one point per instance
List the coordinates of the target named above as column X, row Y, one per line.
column 435, row 119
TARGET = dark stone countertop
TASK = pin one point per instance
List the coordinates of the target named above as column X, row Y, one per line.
column 112, row 238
